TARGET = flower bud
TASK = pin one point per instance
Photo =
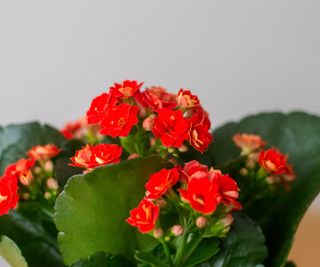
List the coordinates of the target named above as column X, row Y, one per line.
column 201, row 222
column 48, row 166
column 183, row 149
column 52, row 184
column 243, row 171
column 37, row 170
column 47, row 195
column 158, row 233
column 251, row 164
column 161, row 203
column 227, row 220
column 177, row 230
column 133, row 156
column 148, row 123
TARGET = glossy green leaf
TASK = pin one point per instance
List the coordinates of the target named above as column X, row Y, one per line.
column 91, row 211
column 244, row 246
column 103, row 259
column 208, row 248
column 16, row 140
column 38, row 247
column 11, row 253
column 296, row 134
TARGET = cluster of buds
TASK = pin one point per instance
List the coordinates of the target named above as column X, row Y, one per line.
column 152, row 120
column 269, row 165
column 201, row 198
column 29, row 178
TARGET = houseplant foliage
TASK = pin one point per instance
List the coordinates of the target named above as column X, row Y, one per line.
column 141, row 181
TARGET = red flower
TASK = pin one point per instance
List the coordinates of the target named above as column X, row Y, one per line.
column 274, row 162
column 125, row 89
column 93, row 156
column 99, row 107
column 8, row 193
column 248, row 142
column 160, row 182
column 43, row 152
column 227, row 188
column 199, row 131
column 193, row 169
column 202, row 195
column 21, row 170
column 156, row 98
column 119, row 120
column 73, row 129
column 171, row 127
column 144, row 216
column 187, row 100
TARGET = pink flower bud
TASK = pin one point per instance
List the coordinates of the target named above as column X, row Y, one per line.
column 183, row 149
column 244, row 171
column 227, row 220
column 201, row 222
column 177, row 230
column 52, row 184
column 148, row 123
column 133, row 156
column 158, row 233
column 48, row 166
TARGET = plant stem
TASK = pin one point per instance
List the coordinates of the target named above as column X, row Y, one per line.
column 192, row 248
column 167, row 252
column 182, row 244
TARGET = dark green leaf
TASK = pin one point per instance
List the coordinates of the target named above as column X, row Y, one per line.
column 244, row 246
column 102, row 259
column 38, row 247
column 208, row 248
column 16, row 140
column 91, row 211
column 298, row 135
column 148, row 258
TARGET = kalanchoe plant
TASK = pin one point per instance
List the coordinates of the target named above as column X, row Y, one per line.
column 139, row 182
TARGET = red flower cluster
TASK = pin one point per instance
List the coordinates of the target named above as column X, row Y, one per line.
column 274, row 162
column 173, row 119
column 90, row 157
column 74, row 129
column 248, row 142
column 207, row 189
column 8, row 193
column 43, row 152
column 21, row 170
column 203, row 189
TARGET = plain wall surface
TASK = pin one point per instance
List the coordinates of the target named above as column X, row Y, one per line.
column 240, row 57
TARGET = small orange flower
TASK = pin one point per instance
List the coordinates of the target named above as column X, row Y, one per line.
column 248, row 142
column 43, row 152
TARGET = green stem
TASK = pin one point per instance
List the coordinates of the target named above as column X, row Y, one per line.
column 167, row 252
column 195, row 244
column 182, row 244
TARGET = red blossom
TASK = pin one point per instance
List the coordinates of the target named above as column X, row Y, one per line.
column 93, row 156
column 144, row 216
column 248, row 142
column 99, row 107
column 202, row 195
column 160, row 182
column 156, row 98
column 43, row 152
column 187, row 100
column 72, row 129
column 171, row 127
column 125, row 89
column 193, row 169
column 227, row 188
column 199, row 131
column 8, row 193
column 274, row 162
column 119, row 120
column 21, row 170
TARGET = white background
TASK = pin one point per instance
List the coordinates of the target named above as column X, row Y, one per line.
column 240, row 57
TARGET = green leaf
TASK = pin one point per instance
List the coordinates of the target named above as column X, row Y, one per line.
column 102, row 259
column 11, row 253
column 91, row 211
column 208, row 248
column 296, row 134
column 38, row 247
column 16, row 140
column 149, row 259
column 244, row 246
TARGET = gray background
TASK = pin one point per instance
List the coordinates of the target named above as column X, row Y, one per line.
column 240, row 57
